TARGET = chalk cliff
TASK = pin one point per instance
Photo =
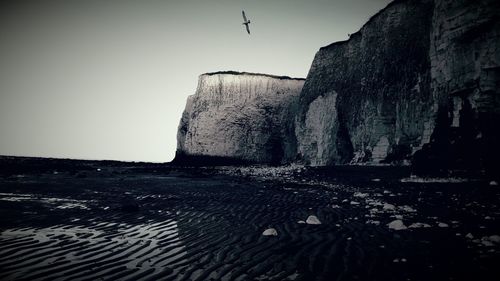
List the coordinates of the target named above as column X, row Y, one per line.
column 240, row 116
column 417, row 84
column 368, row 100
column 465, row 81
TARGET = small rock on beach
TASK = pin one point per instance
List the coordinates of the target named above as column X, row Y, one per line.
column 397, row 225
column 270, row 232
column 313, row 220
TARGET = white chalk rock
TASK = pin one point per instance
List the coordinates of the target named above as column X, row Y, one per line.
column 313, row 220
column 495, row 238
column 237, row 115
column 486, row 242
column 418, row 225
column 270, row 232
column 397, row 225
column 407, row 209
column 360, row 194
column 388, row 206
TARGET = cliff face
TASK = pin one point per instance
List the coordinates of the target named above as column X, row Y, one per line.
column 242, row 116
column 367, row 100
column 465, row 80
column 419, row 82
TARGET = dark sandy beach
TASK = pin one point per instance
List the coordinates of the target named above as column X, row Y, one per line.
column 109, row 221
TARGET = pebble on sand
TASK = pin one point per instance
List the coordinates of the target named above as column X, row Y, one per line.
column 313, row 220
column 493, row 183
column 442, row 224
column 397, row 225
column 388, row 206
column 360, row 194
column 418, row 225
column 408, row 209
column 495, row 238
column 270, row 232
column 486, row 242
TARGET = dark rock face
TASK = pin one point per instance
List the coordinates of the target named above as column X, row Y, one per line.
column 419, row 82
column 368, row 100
column 465, row 71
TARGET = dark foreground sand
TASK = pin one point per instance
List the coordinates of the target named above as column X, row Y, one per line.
column 157, row 223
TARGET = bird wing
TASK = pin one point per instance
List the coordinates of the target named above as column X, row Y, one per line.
column 248, row 28
column 244, row 17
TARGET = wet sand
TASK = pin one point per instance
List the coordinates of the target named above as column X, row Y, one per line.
column 137, row 222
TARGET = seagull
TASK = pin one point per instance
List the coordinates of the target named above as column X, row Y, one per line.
column 245, row 21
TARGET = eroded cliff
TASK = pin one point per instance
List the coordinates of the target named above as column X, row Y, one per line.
column 465, row 81
column 418, row 83
column 367, row 100
column 240, row 116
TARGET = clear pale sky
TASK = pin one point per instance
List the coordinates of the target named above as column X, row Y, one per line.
column 108, row 79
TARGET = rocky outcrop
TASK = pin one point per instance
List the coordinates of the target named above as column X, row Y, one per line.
column 368, row 99
column 418, row 83
column 239, row 116
column 465, row 80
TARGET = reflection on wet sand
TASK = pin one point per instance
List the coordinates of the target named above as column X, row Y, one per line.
column 69, row 252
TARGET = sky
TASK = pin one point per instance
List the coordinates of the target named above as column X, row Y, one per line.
column 108, row 79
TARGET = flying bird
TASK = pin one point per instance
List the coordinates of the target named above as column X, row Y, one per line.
column 245, row 21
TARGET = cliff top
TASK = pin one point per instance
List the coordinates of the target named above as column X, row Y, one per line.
column 357, row 33
column 231, row 72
